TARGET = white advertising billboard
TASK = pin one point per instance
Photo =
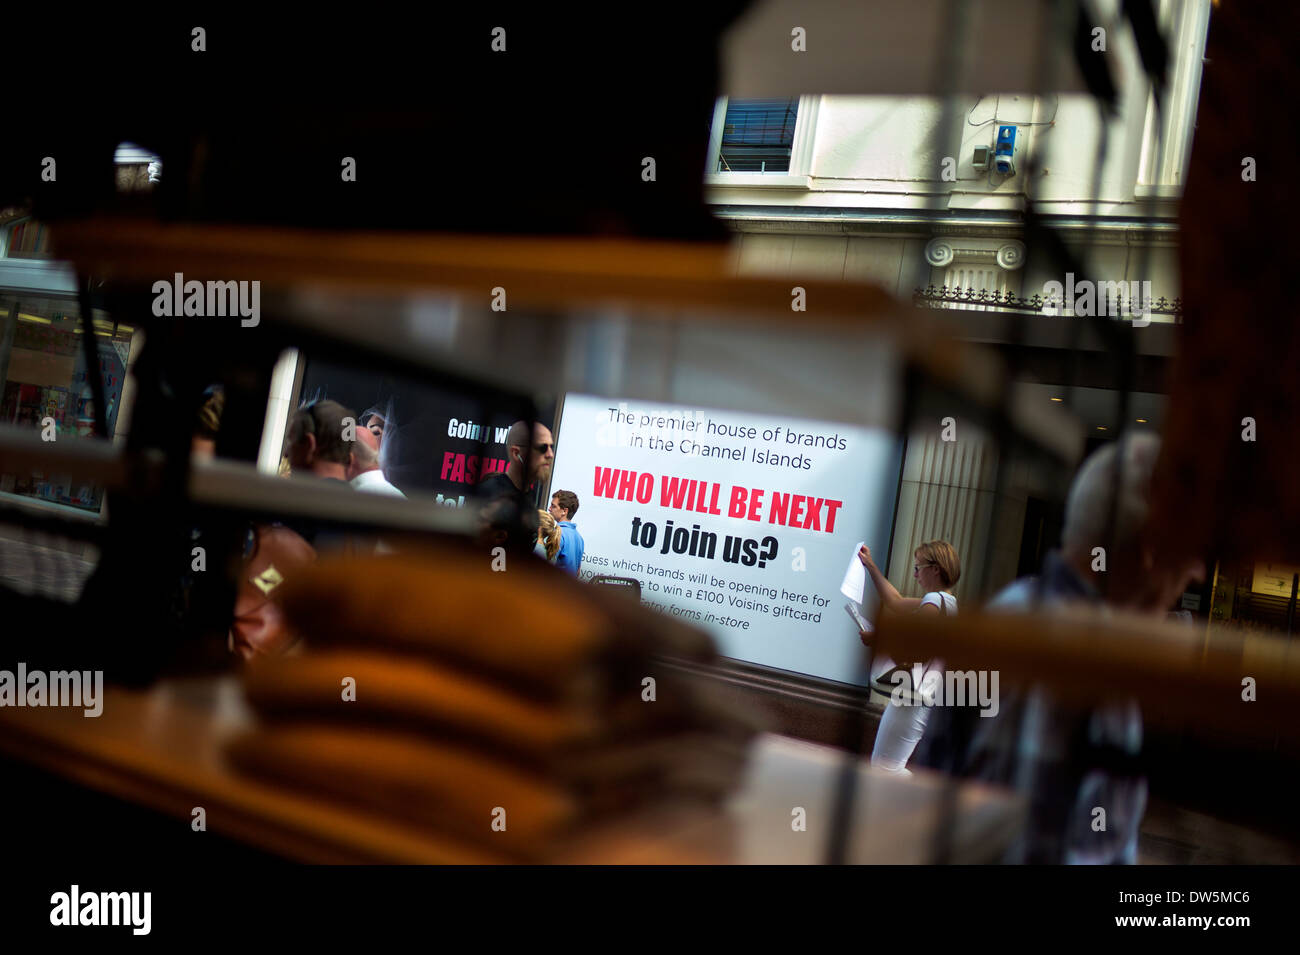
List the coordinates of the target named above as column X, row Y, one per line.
column 741, row 523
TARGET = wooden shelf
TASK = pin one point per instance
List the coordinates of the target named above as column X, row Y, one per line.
column 163, row 749
column 542, row 272
column 229, row 484
column 572, row 300
column 1176, row 672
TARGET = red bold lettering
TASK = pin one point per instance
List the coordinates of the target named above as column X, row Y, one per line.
column 831, row 508
column 606, row 481
column 626, row 485
column 780, row 505
column 796, row 510
column 737, row 506
column 673, row 491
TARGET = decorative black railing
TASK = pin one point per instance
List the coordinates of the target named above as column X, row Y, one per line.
column 991, row 300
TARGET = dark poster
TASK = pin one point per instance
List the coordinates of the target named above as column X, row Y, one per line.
column 436, row 440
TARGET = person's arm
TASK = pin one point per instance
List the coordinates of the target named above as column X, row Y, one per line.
column 890, row 598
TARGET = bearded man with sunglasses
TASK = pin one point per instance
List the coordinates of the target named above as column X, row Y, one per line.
column 512, row 513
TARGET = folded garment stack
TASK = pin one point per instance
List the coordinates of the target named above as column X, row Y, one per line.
column 509, row 709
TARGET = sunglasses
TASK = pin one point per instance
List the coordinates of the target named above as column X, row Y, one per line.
column 543, row 448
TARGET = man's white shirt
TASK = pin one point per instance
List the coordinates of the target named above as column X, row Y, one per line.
column 375, row 483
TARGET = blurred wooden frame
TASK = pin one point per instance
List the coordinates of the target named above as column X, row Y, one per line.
column 1086, row 657
column 542, row 272
column 658, row 281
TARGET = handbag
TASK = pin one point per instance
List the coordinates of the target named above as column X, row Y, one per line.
column 909, row 687
column 273, row 552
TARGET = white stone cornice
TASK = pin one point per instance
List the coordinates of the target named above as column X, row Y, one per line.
column 778, row 220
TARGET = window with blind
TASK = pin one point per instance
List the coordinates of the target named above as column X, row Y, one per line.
column 757, row 135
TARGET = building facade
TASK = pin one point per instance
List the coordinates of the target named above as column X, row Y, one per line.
column 919, row 195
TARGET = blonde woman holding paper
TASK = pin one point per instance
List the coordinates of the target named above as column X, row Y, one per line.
column 936, row 568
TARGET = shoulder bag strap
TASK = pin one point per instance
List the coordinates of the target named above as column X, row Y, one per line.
column 943, row 609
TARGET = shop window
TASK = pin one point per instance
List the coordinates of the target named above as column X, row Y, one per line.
column 44, row 384
column 27, row 239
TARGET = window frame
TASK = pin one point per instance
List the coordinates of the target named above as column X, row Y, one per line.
column 1186, row 24
column 801, row 150
column 56, row 279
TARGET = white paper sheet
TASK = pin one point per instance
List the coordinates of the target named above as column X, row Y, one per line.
column 855, row 578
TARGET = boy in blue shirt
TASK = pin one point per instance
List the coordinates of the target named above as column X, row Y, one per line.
column 564, row 504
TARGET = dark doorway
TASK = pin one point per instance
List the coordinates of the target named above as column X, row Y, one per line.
column 1043, row 522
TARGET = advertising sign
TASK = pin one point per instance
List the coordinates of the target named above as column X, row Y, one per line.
column 436, row 440
column 738, row 522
